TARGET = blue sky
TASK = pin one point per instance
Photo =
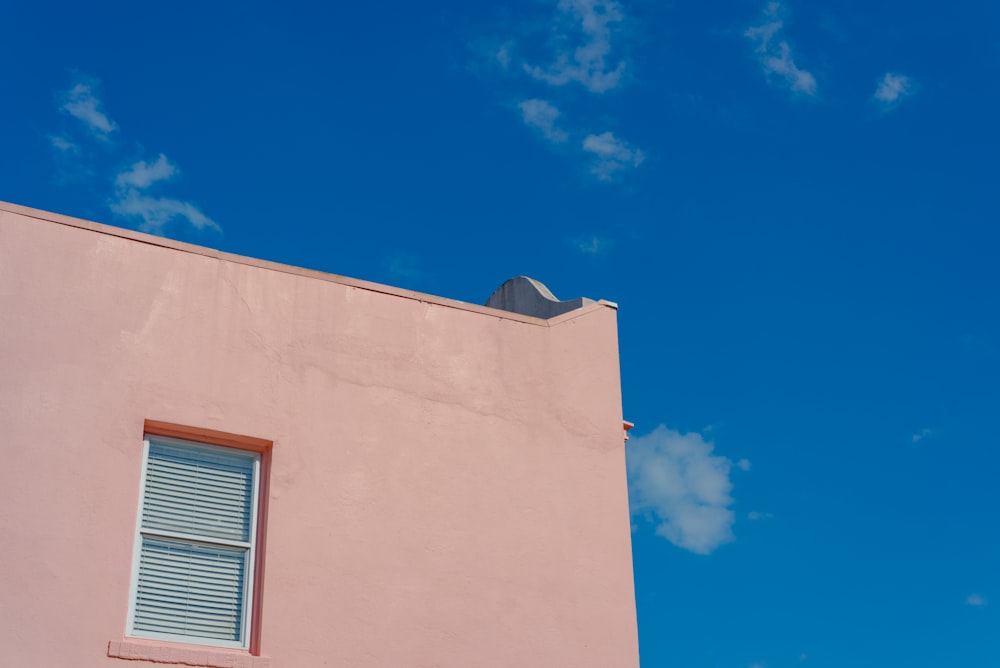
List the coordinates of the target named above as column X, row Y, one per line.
column 795, row 205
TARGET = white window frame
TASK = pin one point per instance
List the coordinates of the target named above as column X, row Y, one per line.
column 250, row 546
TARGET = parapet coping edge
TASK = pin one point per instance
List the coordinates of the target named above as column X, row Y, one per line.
column 153, row 240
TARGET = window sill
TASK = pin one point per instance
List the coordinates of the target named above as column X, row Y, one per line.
column 163, row 652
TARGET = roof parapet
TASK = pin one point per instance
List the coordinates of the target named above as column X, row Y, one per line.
column 530, row 297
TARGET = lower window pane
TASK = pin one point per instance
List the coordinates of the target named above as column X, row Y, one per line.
column 190, row 589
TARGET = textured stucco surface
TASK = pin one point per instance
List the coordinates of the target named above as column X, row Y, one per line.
column 447, row 485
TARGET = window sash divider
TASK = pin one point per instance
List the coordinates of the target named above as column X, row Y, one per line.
column 194, row 538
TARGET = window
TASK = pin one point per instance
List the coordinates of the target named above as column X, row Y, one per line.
column 196, row 553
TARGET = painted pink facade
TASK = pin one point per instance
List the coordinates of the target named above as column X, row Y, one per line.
column 447, row 481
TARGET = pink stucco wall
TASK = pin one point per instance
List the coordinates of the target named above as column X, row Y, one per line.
column 447, row 485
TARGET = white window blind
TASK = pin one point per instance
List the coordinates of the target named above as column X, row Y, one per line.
column 196, row 543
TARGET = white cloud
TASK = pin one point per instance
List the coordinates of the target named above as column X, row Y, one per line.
column 502, row 55
column 81, row 103
column 775, row 54
column 157, row 212
column 893, row 89
column 743, row 464
column 611, row 155
column 976, row 600
column 142, row 175
column 63, row 145
column 781, row 64
column 71, row 164
column 542, row 116
column 593, row 245
column 130, row 200
column 921, row 435
column 608, row 155
column 583, row 45
column 676, row 479
column 756, row 515
column 763, row 33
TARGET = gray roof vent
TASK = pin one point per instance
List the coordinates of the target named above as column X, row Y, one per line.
column 530, row 297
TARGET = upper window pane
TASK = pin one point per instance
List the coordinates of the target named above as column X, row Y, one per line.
column 204, row 491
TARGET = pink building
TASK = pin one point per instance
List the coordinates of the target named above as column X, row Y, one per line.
column 211, row 460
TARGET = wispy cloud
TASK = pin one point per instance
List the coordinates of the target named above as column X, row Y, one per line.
column 775, row 54
column 154, row 213
column 976, row 600
column 542, row 116
column 141, row 175
column 81, row 102
column 893, row 89
column 593, row 245
column 502, row 54
column 611, row 155
column 606, row 154
column 583, row 43
column 403, row 265
column 921, row 435
column 675, row 479
column 130, row 190
column 756, row 516
column 744, row 464
column 63, row 145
